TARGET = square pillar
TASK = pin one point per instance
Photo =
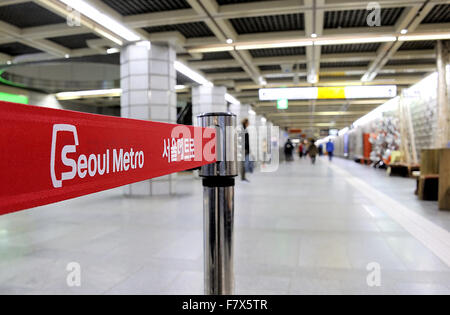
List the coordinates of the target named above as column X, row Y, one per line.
column 148, row 79
column 207, row 99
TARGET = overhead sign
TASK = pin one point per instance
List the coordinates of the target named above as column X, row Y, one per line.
column 49, row 155
column 282, row 104
column 313, row 93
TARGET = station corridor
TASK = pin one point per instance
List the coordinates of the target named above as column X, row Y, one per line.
column 302, row 230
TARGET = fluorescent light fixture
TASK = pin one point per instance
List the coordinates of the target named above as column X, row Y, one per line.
column 180, row 67
column 251, row 112
column 64, row 96
column 293, row 43
column 113, row 50
column 338, row 92
column 356, row 40
column 180, row 87
column 248, row 46
column 404, row 31
column 94, row 14
column 229, row 41
column 424, row 37
column 231, row 99
column 314, row 35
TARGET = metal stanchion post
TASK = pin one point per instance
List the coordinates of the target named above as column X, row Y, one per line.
column 218, row 205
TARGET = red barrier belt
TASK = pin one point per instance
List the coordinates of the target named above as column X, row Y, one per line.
column 49, row 155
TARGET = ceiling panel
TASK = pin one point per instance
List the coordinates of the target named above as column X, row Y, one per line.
column 349, row 48
column 217, row 56
column 189, row 30
column 132, row 7
column 271, row 23
column 28, row 14
column 429, row 44
column 270, row 68
column 276, row 52
column 344, row 64
column 358, row 18
column 223, row 70
column 74, row 41
column 411, row 62
column 15, row 49
column 439, row 14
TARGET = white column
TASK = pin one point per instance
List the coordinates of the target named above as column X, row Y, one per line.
column 241, row 111
column 208, row 99
column 147, row 79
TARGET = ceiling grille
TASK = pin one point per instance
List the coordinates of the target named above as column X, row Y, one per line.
column 74, row 41
column 272, row 23
column 217, row 56
column 344, row 64
column 358, row 18
column 132, row 7
column 28, row 14
column 270, row 68
column 189, row 30
column 276, row 52
column 439, row 14
column 411, row 62
column 349, row 48
column 418, row 45
column 15, row 49
column 223, row 70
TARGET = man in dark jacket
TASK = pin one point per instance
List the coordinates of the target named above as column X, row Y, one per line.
column 288, row 150
column 244, row 164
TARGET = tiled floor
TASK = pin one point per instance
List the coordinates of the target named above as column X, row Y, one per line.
column 302, row 230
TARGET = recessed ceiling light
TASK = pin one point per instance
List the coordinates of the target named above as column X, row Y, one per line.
column 9, row 62
column 313, row 35
column 66, row 56
column 404, row 31
column 229, row 41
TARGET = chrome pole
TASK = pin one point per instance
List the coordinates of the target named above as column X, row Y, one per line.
column 218, row 205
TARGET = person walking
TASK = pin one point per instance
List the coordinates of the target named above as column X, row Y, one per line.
column 245, row 163
column 313, row 151
column 300, row 150
column 330, row 149
column 288, row 150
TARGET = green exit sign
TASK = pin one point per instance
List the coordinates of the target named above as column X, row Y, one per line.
column 282, row 104
column 13, row 98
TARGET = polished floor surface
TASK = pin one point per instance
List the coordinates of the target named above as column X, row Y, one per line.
column 301, row 230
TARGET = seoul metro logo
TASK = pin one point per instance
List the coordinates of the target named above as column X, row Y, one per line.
column 87, row 165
